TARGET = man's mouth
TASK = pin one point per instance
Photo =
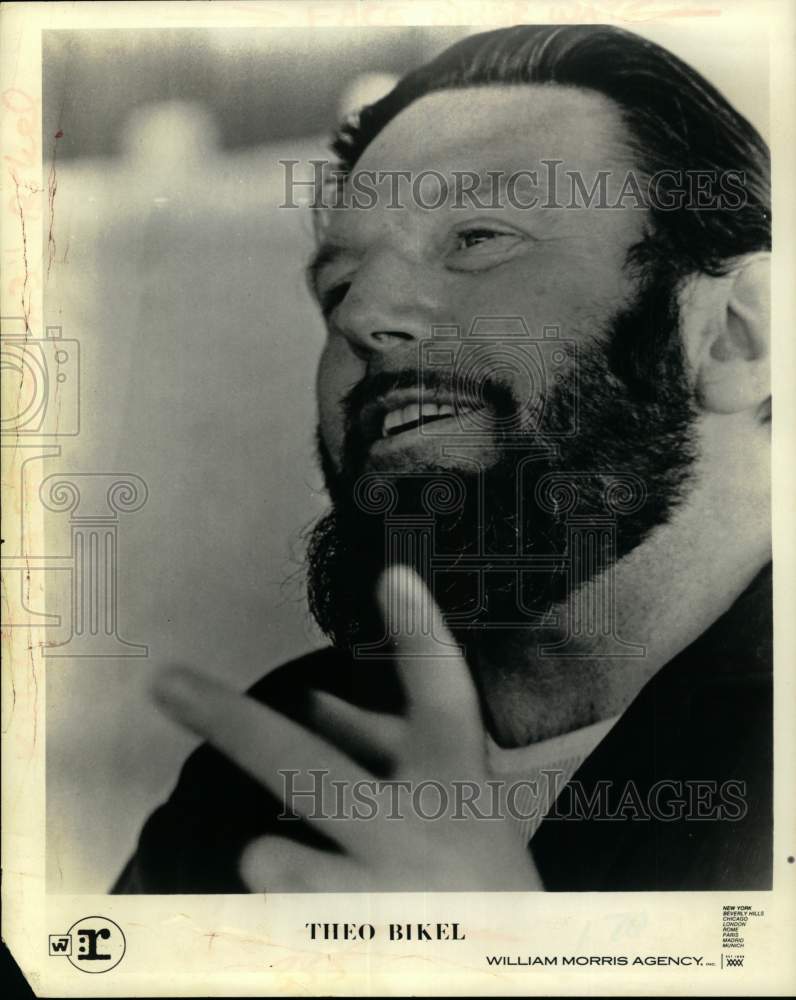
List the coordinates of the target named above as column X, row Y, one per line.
column 408, row 413
column 417, row 415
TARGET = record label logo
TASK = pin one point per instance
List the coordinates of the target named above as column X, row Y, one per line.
column 92, row 944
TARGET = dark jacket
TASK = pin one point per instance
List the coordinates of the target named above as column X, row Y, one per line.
column 703, row 721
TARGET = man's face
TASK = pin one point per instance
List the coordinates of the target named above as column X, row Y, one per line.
column 396, row 273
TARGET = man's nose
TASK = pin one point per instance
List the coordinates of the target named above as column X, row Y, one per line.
column 390, row 304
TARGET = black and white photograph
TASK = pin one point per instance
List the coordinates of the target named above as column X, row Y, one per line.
column 388, row 438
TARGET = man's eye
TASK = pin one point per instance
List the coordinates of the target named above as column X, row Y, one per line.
column 482, row 243
column 474, row 237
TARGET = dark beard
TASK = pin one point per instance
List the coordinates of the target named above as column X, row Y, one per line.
column 634, row 426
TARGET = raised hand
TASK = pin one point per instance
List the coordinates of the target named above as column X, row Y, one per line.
column 440, row 742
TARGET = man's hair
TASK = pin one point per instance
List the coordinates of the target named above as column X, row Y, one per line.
column 676, row 121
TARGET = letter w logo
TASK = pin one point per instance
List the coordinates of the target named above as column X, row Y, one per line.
column 60, row 944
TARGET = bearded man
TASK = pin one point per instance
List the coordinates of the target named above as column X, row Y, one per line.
column 544, row 426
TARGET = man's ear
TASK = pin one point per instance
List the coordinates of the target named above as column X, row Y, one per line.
column 728, row 328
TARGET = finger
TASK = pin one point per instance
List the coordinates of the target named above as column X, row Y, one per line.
column 263, row 743
column 371, row 738
column 276, row 864
column 438, row 683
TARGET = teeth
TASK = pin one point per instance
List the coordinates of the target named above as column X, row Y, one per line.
column 414, row 414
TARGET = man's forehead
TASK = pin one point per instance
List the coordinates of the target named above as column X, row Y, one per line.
column 506, row 127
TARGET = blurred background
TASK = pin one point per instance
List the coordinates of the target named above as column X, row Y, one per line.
column 171, row 264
